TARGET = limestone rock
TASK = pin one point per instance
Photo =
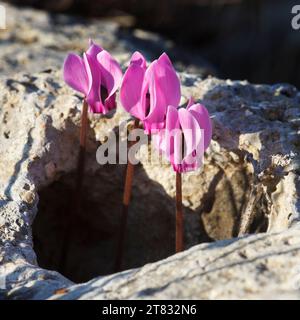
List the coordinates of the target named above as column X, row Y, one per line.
column 255, row 147
column 254, row 267
column 36, row 40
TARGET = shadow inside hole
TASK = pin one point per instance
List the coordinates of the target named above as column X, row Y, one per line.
column 93, row 243
column 151, row 222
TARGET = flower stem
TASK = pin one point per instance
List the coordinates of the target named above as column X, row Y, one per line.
column 81, row 156
column 179, row 214
column 126, row 201
column 76, row 201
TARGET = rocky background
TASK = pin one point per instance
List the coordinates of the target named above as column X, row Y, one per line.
column 242, row 39
column 248, row 185
column 34, row 40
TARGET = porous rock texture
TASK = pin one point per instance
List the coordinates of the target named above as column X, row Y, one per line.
column 250, row 180
column 34, row 40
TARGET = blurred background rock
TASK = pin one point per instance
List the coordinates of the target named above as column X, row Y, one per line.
column 237, row 39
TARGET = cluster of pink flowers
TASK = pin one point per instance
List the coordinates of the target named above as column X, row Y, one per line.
column 149, row 93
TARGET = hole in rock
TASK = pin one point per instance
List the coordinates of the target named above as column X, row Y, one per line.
column 211, row 212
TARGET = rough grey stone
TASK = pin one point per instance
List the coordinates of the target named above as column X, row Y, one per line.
column 254, row 267
column 35, row 40
column 255, row 147
column 249, row 182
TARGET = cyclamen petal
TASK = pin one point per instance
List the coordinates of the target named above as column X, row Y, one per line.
column 201, row 114
column 183, row 139
column 154, row 108
column 93, row 71
column 111, row 73
column 193, row 141
column 131, row 89
column 165, row 139
column 190, row 102
column 75, row 73
column 168, row 80
column 172, row 134
column 97, row 75
column 94, row 49
column 138, row 58
column 110, row 103
column 147, row 92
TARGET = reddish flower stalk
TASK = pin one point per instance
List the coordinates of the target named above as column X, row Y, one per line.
column 76, row 203
column 186, row 136
column 179, row 214
column 126, row 201
column 97, row 75
column 81, row 156
column 145, row 93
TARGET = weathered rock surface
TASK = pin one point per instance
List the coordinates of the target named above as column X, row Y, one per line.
column 35, row 40
column 249, row 183
column 255, row 147
column 254, row 267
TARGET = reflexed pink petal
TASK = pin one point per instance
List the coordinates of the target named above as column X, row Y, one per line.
column 168, row 80
column 75, row 74
column 97, row 107
column 131, row 88
column 149, row 71
column 164, row 58
column 95, row 72
column 155, row 115
column 181, row 124
column 193, row 141
column 172, row 118
column 164, row 90
column 94, row 49
column 172, row 131
column 165, row 138
column 92, row 67
column 90, row 70
column 191, row 130
column 110, row 103
column 147, row 92
column 111, row 73
column 138, row 58
column 190, row 102
column 201, row 114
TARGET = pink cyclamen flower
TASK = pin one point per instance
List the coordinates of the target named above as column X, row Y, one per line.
column 97, row 76
column 186, row 136
column 146, row 92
